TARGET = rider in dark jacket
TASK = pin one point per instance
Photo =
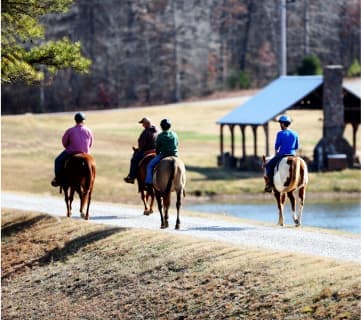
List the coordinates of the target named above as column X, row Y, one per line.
column 146, row 144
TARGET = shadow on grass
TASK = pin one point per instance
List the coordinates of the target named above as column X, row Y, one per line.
column 73, row 246
column 70, row 248
column 15, row 227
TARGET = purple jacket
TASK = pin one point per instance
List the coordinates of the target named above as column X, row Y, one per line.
column 78, row 139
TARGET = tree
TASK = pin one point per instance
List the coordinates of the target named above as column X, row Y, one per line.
column 310, row 65
column 24, row 53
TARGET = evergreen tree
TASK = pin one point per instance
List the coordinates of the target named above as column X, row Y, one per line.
column 23, row 50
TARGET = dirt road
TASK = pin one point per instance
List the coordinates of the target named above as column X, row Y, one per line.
column 345, row 247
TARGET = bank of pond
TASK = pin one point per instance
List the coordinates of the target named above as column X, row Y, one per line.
column 337, row 215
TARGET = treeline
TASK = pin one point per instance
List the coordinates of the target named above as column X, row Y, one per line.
column 149, row 52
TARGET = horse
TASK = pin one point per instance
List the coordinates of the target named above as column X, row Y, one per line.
column 146, row 195
column 169, row 175
column 79, row 176
column 290, row 176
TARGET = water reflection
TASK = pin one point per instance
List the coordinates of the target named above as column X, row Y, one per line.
column 344, row 216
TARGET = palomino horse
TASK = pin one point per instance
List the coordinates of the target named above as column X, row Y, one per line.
column 290, row 176
column 146, row 195
column 79, row 176
column 169, row 175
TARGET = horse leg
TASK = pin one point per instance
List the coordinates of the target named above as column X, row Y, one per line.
column 166, row 205
column 67, row 202
column 292, row 198
column 70, row 200
column 159, row 202
column 151, row 196
column 178, row 205
column 280, row 202
column 83, row 195
column 145, row 202
column 88, row 205
column 301, row 195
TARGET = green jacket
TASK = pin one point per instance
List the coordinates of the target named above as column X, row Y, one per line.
column 167, row 144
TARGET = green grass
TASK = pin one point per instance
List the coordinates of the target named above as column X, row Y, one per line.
column 31, row 142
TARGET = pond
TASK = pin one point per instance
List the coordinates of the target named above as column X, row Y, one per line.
column 345, row 216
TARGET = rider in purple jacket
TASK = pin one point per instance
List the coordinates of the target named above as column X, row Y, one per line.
column 286, row 144
column 77, row 139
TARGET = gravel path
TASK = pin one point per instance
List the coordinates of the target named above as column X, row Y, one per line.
column 298, row 240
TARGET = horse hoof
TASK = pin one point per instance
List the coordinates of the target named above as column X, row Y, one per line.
column 177, row 226
column 146, row 213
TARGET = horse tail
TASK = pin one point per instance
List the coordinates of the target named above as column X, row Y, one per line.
column 295, row 173
column 171, row 177
column 88, row 172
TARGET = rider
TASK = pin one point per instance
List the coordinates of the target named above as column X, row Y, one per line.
column 77, row 139
column 286, row 144
column 166, row 145
column 146, row 144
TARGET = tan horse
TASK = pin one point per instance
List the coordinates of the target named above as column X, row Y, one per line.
column 290, row 176
column 169, row 175
column 147, row 196
column 79, row 176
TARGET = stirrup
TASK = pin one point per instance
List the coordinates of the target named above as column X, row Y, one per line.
column 55, row 183
column 268, row 188
column 129, row 179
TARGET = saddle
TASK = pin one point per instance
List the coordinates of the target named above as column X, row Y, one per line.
column 147, row 154
column 280, row 158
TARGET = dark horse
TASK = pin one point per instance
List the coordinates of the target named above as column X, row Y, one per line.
column 79, row 176
column 169, row 175
column 147, row 196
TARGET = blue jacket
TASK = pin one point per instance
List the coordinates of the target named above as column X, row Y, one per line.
column 286, row 142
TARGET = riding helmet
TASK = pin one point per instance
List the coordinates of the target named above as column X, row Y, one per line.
column 165, row 124
column 79, row 117
column 285, row 119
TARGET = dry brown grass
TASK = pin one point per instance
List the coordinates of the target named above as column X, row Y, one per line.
column 31, row 142
column 69, row 269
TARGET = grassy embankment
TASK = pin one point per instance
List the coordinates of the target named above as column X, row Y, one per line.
column 31, row 142
column 69, row 269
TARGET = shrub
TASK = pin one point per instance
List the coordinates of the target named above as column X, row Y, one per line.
column 310, row 65
column 354, row 69
column 238, row 79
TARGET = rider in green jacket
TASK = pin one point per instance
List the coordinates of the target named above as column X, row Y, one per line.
column 166, row 145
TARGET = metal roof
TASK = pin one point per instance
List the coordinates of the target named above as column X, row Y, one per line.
column 272, row 100
column 353, row 86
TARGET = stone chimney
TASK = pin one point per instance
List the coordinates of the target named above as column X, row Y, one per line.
column 332, row 142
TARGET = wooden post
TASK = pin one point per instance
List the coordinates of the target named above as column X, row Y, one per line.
column 254, row 128
column 243, row 141
column 221, row 140
column 231, row 128
column 354, row 131
column 266, row 131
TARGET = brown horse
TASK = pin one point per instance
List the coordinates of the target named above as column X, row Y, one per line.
column 79, row 176
column 169, row 175
column 290, row 176
column 147, row 196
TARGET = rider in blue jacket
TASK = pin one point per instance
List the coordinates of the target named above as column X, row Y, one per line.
column 286, row 144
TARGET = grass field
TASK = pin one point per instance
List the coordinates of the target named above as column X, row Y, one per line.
column 31, row 142
column 58, row 268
